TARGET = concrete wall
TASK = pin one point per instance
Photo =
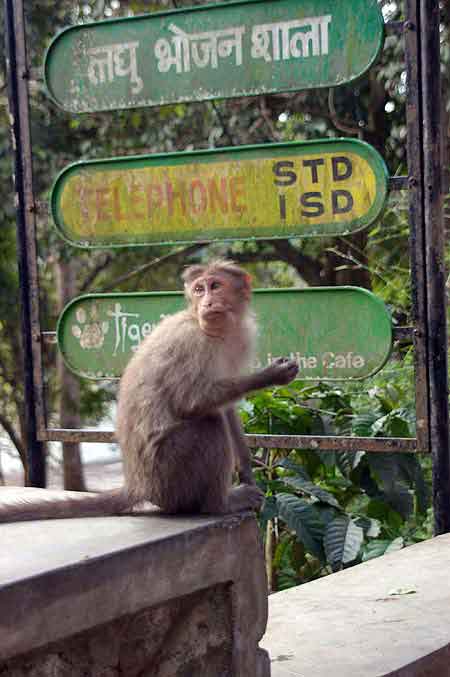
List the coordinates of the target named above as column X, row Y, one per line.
column 146, row 596
column 191, row 635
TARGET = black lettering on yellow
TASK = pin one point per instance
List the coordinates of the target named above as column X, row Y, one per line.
column 313, row 164
column 280, row 170
column 341, row 201
column 342, row 168
column 282, row 204
column 315, row 208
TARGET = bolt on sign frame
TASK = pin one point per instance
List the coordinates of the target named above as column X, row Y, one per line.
column 424, row 185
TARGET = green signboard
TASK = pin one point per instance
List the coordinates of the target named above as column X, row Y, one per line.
column 338, row 333
column 225, row 50
column 311, row 188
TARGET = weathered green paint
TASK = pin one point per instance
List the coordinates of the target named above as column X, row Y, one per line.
column 325, row 187
column 337, row 333
column 226, row 50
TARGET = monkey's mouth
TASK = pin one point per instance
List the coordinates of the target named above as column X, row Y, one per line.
column 213, row 314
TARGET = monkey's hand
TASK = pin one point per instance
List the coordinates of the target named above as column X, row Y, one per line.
column 255, row 496
column 246, row 497
column 281, row 371
column 246, row 477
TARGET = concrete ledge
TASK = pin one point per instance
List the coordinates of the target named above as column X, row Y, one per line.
column 63, row 577
column 389, row 616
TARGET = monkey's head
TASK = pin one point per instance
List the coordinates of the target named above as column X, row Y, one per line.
column 218, row 294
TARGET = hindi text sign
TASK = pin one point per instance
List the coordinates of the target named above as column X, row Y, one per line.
column 338, row 333
column 216, row 51
column 312, row 188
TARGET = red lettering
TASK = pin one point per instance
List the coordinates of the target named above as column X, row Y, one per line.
column 85, row 198
column 236, row 192
column 117, row 211
column 218, row 195
column 154, row 198
column 198, row 196
column 172, row 195
column 101, row 204
column 136, row 200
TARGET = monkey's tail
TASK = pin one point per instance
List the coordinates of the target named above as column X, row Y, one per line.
column 18, row 504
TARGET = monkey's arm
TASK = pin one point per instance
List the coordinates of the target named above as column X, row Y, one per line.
column 205, row 400
column 240, row 448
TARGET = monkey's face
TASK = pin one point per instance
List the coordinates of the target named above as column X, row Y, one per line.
column 216, row 302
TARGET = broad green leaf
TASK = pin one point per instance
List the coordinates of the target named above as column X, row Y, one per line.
column 342, row 542
column 303, row 518
column 371, row 527
column 381, row 547
column 347, row 461
column 311, row 489
column 375, row 549
column 328, row 458
column 362, row 425
column 269, row 510
column 411, row 470
column 401, row 499
column 288, row 464
column 283, row 548
column 396, row 544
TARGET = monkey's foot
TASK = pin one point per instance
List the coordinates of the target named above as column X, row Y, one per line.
column 245, row 497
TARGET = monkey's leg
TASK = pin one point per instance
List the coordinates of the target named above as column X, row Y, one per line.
column 243, row 497
column 240, row 448
column 223, row 498
column 192, row 468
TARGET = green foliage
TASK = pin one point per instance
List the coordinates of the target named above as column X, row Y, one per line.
column 329, row 510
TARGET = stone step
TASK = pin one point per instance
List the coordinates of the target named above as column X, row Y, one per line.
column 389, row 616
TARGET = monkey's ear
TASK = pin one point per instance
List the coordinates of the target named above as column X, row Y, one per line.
column 247, row 285
column 191, row 272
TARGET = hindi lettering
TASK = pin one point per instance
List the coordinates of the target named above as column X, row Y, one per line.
column 184, row 50
column 109, row 61
column 275, row 41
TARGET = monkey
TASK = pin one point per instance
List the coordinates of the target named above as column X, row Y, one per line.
column 177, row 425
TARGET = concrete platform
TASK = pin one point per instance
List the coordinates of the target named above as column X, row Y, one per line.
column 67, row 586
column 389, row 616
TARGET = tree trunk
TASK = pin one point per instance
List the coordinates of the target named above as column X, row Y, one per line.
column 69, row 403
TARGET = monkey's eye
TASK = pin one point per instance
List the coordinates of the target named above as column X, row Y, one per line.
column 215, row 285
column 198, row 289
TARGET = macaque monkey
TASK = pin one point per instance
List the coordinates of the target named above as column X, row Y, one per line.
column 177, row 425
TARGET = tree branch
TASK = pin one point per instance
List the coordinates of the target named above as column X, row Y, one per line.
column 340, row 124
column 180, row 253
column 223, row 123
column 15, row 439
column 265, row 112
column 12, row 381
column 99, row 268
column 308, row 268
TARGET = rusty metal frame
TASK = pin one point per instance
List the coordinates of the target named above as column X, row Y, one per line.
column 421, row 33
column 416, row 220
column 34, row 406
column 436, row 318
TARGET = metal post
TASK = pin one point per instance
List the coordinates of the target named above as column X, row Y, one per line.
column 416, row 220
column 435, row 268
column 26, row 242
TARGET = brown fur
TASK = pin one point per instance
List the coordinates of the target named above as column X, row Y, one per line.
column 177, row 425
